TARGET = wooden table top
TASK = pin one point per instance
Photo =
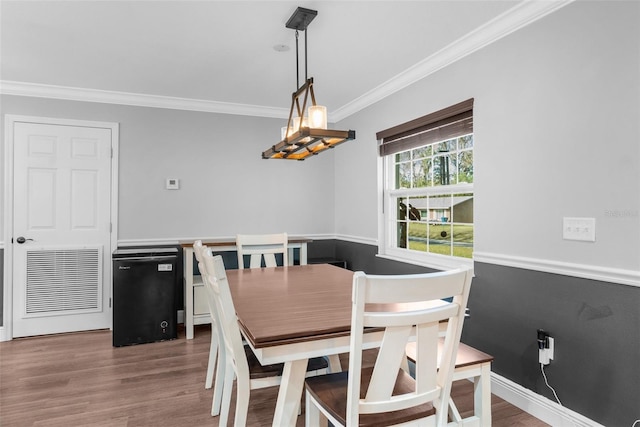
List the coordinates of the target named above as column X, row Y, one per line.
column 299, row 303
column 292, row 304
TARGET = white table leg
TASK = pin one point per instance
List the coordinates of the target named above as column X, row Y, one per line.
column 290, row 393
column 303, row 254
column 482, row 395
column 334, row 363
column 188, row 292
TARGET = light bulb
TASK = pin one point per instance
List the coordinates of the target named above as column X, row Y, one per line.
column 318, row 117
column 296, row 124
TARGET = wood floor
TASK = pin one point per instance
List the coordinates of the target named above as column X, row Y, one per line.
column 81, row 380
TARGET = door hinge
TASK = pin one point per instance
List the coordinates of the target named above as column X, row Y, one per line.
column 109, row 302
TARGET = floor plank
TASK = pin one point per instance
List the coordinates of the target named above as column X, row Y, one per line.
column 81, row 380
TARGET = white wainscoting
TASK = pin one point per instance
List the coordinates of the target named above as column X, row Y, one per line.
column 537, row 405
column 604, row 274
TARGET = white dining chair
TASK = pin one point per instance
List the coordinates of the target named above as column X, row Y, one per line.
column 262, row 246
column 267, row 246
column 216, row 362
column 241, row 364
column 385, row 394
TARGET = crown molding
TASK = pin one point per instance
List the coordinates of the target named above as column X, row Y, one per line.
column 512, row 20
column 504, row 24
column 137, row 99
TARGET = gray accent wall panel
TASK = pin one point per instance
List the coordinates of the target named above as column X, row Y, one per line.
column 596, row 326
column 361, row 257
column 1, row 287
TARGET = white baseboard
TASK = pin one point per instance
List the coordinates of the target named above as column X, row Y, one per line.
column 3, row 334
column 537, row 405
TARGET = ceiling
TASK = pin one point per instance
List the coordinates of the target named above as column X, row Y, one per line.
column 220, row 55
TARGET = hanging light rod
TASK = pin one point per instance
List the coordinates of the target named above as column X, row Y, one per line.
column 306, row 132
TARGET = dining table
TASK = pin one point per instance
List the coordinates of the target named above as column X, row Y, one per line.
column 290, row 314
column 193, row 289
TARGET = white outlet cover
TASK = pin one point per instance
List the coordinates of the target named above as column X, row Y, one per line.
column 583, row 229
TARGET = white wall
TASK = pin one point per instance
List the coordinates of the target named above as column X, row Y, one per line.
column 226, row 187
column 556, row 125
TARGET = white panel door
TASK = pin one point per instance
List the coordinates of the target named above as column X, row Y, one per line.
column 61, row 228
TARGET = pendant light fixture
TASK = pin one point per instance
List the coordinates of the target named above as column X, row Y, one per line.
column 306, row 132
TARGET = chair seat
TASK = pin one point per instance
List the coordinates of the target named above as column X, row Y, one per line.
column 261, row 371
column 266, row 371
column 466, row 355
column 317, row 363
column 331, row 391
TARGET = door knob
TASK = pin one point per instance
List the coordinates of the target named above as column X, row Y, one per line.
column 21, row 240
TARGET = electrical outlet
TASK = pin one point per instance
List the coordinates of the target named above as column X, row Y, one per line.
column 546, row 347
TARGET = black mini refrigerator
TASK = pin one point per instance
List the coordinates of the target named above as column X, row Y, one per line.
column 144, row 295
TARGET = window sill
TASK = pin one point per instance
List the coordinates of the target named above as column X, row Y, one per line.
column 437, row 263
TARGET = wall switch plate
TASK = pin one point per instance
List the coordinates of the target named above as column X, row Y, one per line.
column 173, row 184
column 579, row 229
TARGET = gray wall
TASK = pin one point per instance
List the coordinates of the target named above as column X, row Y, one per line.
column 1, row 286
column 595, row 326
column 556, row 130
column 226, row 187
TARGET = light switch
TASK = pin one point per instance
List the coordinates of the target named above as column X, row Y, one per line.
column 579, row 229
column 173, row 184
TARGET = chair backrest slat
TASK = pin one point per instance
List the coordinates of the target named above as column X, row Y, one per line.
column 261, row 246
column 440, row 287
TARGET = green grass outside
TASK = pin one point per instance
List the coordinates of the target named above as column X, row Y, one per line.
column 461, row 233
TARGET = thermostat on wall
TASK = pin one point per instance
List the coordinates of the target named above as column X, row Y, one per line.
column 173, row 184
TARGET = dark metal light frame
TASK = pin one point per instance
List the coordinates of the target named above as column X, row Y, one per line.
column 305, row 141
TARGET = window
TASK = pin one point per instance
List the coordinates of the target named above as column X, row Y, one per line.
column 427, row 198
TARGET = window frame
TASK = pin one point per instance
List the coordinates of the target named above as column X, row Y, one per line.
column 388, row 194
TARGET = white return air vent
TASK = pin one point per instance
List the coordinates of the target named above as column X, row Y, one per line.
column 60, row 281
